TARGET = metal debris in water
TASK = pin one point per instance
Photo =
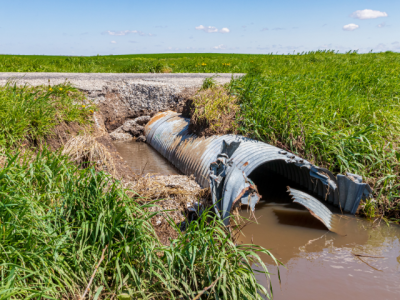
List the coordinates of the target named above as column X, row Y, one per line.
column 316, row 208
column 230, row 187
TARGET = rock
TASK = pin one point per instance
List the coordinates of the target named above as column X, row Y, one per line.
column 120, row 135
column 129, row 125
column 141, row 139
column 137, row 130
column 118, row 130
column 135, row 124
column 143, row 120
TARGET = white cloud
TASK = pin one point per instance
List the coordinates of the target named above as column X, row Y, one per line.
column 220, row 47
column 381, row 25
column 350, row 27
column 208, row 29
column 119, row 33
column 368, row 14
column 113, row 42
column 212, row 29
column 126, row 32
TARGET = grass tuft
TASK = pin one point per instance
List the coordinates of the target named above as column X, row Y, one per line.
column 29, row 113
column 213, row 111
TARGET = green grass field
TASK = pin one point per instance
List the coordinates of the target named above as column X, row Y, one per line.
column 175, row 63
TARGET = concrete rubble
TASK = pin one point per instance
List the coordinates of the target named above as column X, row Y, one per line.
column 131, row 129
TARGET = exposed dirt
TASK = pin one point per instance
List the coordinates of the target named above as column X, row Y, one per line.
column 62, row 133
column 115, row 111
column 185, row 103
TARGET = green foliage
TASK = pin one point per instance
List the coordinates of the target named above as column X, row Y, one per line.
column 56, row 219
column 31, row 113
column 209, row 83
column 339, row 111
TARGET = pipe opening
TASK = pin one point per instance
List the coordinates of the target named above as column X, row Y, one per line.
column 272, row 186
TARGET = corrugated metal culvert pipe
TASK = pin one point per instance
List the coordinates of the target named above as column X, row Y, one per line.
column 168, row 133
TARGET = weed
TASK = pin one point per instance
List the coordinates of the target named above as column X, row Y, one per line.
column 213, row 111
column 209, row 83
column 56, row 220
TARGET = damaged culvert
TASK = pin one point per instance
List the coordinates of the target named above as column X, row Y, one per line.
column 168, row 132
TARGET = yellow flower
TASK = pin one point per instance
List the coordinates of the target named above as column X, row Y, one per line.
column 91, row 111
column 83, row 106
column 60, row 89
column 203, row 64
column 50, row 89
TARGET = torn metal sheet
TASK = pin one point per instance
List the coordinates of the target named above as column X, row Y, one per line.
column 230, row 187
column 351, row 191
column 315, row 207
column 168, row 133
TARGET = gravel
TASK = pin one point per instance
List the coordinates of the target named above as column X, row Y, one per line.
column 96, row 81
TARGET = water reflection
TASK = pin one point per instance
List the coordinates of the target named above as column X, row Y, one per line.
column 321, row 264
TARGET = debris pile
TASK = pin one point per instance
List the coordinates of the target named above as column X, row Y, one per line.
column 131, row 129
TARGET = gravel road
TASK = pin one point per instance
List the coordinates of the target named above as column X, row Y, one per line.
column 95, row 81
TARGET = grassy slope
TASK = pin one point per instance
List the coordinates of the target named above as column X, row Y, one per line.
column 340, row 111
column 56, row 219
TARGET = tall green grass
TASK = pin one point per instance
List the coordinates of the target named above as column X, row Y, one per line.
column 56, row 219
column 30, row 113
column 342, row 112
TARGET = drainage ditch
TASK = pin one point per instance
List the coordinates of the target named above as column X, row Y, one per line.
column 319, row 264
column 363, row 261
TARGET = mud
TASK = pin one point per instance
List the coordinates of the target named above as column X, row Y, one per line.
column 321, row 264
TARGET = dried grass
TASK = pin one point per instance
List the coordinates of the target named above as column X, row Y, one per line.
column 174, row 195
column 86, row 151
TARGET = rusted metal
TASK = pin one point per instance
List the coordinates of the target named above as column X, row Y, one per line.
column 168, row 132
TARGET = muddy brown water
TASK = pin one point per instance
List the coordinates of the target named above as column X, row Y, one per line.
column 318, row 264
column 143, row 159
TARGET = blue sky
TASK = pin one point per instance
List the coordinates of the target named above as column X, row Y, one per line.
column 123, row 27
